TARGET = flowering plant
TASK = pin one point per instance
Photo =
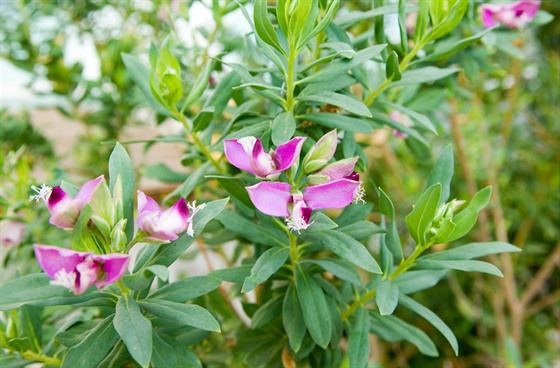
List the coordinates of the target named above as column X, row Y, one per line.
column 318, row 247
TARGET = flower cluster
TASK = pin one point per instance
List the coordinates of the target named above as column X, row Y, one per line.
column 512, row 15
column 105, row 260
column 326, row 185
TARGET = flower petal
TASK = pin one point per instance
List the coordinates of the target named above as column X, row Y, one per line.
column 527, row 7
column 334, row 194
column 237, row 155
column 176, row 218
column 488, row 14
column 271, row 198
column 84, row 195
column 340, row 169
column 146, row 203
column 53, row 259
column 114, row 267
column 286, row 154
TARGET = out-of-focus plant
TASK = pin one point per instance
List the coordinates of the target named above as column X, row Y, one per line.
column 313, row 95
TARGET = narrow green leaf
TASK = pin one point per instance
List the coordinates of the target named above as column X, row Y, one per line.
column 264, row 28
column 339, row 268
column 358, row 339
column 134, row 329
column 267, row 312
column 292, row 319
column 236, row 188
column 190, row 183
column 450, row 50
column 320, row 222
column 187, row 289
column 267, row 264
column 461, row 265
column 424, row 75
column 203, row 118
column 164, row 355
column 93, row 347
column 473, row 250
column 350, row 104
column 392, row 71
column 181, row 314
column 466, row 218
column 232, row 274
column 323, row 23
column 347, row 248
column 449, row 22
column 431, row 317
column 387, row 297
column 421, row 119
column 442, row 173
column 199, row 86
column 392, row 239
column 413, row 281
column 349, row 19
column 338, row 121
column 163, row 173
column 257, row 233
column 313, row 307
column 120, row 164
column 423, row 213
column 361, row 230
column 283, row 128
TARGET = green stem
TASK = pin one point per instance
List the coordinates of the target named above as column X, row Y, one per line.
column 47, row 360
column 290, row 85
column 294, row 254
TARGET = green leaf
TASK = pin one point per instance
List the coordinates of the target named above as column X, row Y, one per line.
column 35, row 289
column 235, row 187
column 81, row 239
column 203, row 118
column 424, row 75
column 93, row 346
column 345, row 247
column 358, row 339
column 465, row 220
column 341, row 48
column 392, row 71
column 387, row 297
column 406, row 332
column 232, row 274
column 141, row 75
column 450, row 21
column 267, row 264
column 442, row 173
column 256, row 233
column 164, row 355
column 292, row 319
column 420, row 119
column 473, row 250
column 120, row 164
column 338, row 121
column 348, row 103
column 392, row 240
column 267, row 312
column 163, row 173
column 323, row 23
column 348, row 19
column 190, row 183
column 134, row 329
column 450, row 50
column 181, row 314
column 187, row 289
column 198, row 87
column 461, row 265
column 352, row 213
column 222, row 93
column 339, row 268
column 431, row 317
column 423, row 213
column 413, row 281
column 361, row 230
column 313, row 307
column 283, row 128
column 264, row 28
column 320, row 222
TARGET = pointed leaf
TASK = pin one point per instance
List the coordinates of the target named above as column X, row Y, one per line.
column 292, row 318
column 120, row 164
column 134, row 329
column 423, row 213
column 358, row 339
column 181, row 314
column 387, row 297
column 267, row 264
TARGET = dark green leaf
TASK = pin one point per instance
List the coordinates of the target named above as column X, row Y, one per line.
column 236, row 188
column 313, row 307
column 257, row 233
column 267, row 264
column 267, row 312
column 198, row 88
column 473, row 250
column 339, row 268
column 164, row 355
column 387, row 297
column 264, row 28
column 462, row 265
column 442, row 173
column 392, row 71
column 361, row 230
column 320, row 222
column 350, row 104
column 358, row 339
column 424, row 75
column 418, row 118
column 292, row 318
column 413, row 281
column 203, row 118
column 134, row 329
column 341, row 122
column 283, row 128
column 232, row 274
column 181, row 314
column 120, row 164
column 190, row 183
column 187, row 289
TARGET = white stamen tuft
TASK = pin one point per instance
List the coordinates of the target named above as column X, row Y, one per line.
column 193, row 209
column 44, row 192
column 248, row 143
column 296, row 224
column 66, row 279
column 359, row 194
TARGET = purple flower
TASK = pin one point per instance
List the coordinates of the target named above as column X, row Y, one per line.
column 247, row 154
column 342, row 169
column 277, row 199
column 78, row 271
column 64, row 209
column 163, row 226
column 513, row 15
column 11, row 232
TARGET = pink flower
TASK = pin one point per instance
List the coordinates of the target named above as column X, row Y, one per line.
column 78, row 271
column 163, row 226
column 274, row 199
column 11, row 232
column 513, row 15
column 64, row 209
column 247, row 154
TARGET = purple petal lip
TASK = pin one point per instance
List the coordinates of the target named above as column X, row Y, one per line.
column 237, row 156
column 271, row 198
column 334, row 194
column 339, row 169
column 53, row 259
column 114, row 267
column 161, row 225
column 286, row 154
column 86, row 191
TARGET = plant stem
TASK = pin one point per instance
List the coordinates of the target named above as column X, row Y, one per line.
column 47, row 360
column 290, row 86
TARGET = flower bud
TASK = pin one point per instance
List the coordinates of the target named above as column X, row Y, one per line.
column 316, row 179
column 320, row 154
column 102, row 225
